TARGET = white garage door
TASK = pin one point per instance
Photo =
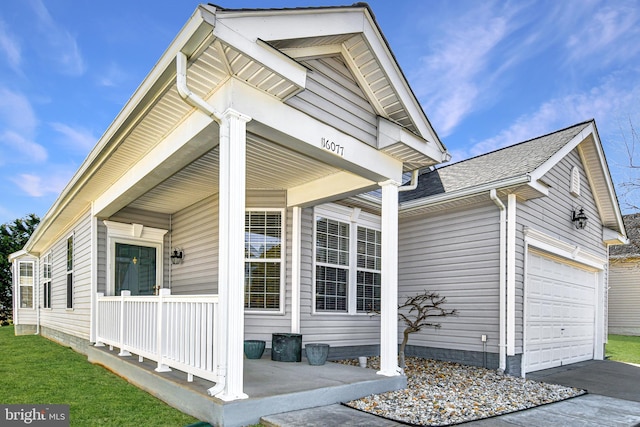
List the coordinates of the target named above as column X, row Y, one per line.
column 560, row 312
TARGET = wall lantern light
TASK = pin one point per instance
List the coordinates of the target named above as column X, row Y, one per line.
column 579, row 219
column 176, row 256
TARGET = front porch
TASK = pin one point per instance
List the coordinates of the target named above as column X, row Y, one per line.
column 273, row 387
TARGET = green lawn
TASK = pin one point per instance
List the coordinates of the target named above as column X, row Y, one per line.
column 35, row 370
column 624, row 348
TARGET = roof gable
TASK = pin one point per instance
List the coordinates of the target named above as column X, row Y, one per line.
column 520, row 168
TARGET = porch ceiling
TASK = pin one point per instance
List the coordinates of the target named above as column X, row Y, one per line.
column 269, row 167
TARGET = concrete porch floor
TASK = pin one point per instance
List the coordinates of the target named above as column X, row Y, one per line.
column 273, row 387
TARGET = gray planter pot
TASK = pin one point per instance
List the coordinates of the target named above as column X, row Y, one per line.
column 317, row 353
column 253, row 349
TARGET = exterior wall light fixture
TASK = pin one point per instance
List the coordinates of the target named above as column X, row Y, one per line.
column 579, row 218
column 177, row 256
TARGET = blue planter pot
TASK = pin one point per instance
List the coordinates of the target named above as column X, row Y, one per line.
column 316, row 353
column 253, row 349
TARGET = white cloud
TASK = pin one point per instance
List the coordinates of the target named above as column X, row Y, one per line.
column 16, row 112
column 78, row 138
column 61, row 46
column 40, row 185
column 604, row 103
column 457, row 73
column 11, row 48
column 611, row 34
column 113, row 76
column 22, row 149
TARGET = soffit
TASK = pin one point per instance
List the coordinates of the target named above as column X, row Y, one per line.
column 286, row 168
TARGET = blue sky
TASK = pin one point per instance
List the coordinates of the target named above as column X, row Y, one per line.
column 487, row 73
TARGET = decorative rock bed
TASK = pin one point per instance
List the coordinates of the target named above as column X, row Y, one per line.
column 444, row 393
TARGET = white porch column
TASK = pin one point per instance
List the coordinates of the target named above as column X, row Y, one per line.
column 233, row 138
column 389, row 281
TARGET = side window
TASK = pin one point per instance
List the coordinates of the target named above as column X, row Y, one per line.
column 25, row 284
column 332, row 264
column 46, row 281
column 369, row 256
column 70, row 272
column 264, row 255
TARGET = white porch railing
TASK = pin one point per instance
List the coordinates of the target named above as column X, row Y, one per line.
column 176, row 331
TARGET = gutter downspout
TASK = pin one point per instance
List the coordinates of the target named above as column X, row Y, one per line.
column 502, row 274
column 199, row 103
column 186, row 94
column 511, row 274
column 414, row 182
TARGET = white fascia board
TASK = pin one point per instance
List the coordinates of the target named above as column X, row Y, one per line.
column 313, row 51
column 332, row 187
column 292, row 24
column 390, row 133
column 19, row 254
column 612, row 237
column 195, row 29
column 300, row 132
column 438, row 199
column 190, row 140
column 271, row 58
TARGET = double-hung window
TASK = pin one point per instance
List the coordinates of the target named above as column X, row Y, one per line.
column 25, row 283
column 46, row 281
column 264, row 260
column 347, row 260
column 70, row 272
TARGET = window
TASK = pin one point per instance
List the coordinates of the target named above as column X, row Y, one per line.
column 46, row 281
column 369, row 256
column 332, row 264
column 263, row 260
column 25, row 283
column 70, row 272
column 348, row 252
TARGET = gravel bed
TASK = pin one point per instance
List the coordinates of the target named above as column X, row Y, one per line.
column 444, row 393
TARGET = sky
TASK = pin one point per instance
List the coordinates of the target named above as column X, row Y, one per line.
column 487, row 73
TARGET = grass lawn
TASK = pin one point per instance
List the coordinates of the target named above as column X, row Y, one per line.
column 624, row 348
column 35, row 370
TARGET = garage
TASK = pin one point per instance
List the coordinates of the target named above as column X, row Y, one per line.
column 560, row 311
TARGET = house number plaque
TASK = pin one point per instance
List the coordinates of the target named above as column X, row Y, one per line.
column 329, row 145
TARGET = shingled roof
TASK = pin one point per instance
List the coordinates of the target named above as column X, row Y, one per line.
column 631, row 250
column 500, row 165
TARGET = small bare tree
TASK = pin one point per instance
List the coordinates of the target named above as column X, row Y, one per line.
column 417, row 312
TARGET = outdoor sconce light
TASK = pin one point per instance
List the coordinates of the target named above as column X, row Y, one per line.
column 176, row 256
column 579, row 219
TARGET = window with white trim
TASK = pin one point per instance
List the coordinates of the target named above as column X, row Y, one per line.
column 264, row 256
column 348, row 251
column 70, row 272
column 332, row 264
column 46, row 281
column 25, row 283
column 369, row 260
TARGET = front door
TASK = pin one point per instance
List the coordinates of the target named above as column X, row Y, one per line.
column 135, row 269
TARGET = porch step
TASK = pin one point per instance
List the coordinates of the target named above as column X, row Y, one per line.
column 326, row 416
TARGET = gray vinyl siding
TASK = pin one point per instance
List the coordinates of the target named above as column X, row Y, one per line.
column 624, row 297
column 333, row 96
column 76, row 321
column 552, row 215
column 335, row 329
column 195, row 231
column 454, row 253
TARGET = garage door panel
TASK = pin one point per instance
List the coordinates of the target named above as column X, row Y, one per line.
column 560, row 313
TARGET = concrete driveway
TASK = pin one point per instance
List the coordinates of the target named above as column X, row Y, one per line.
column 613, row 399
